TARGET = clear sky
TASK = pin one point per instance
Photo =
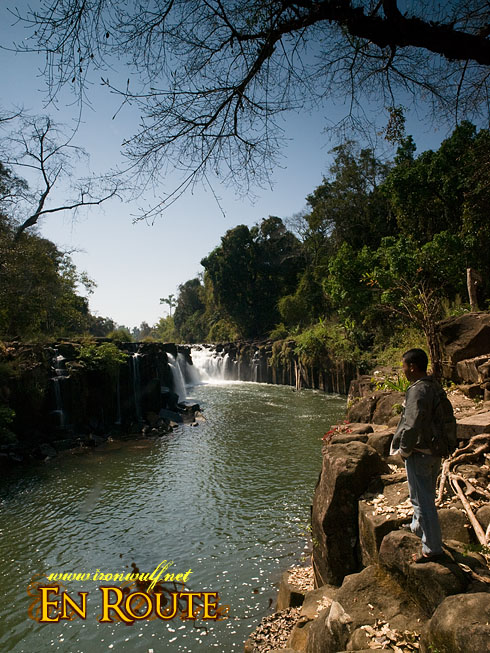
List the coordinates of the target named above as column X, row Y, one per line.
column 134, row 265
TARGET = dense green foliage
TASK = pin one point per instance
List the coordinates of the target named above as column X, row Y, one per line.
column 376, row 259
column 106, row 356
column 39, row 284
column 380, row 254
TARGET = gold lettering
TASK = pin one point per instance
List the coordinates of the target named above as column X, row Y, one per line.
column 208, row 604
column 46, row 604
column 145, row 599
column 107, row 606
column 167, row 613
column 190, row 597
column 80, row 610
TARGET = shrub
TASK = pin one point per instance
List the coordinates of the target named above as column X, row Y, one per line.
column 106, row 357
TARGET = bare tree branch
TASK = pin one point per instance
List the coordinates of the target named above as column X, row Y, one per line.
column 210, row 77
column 40, row 147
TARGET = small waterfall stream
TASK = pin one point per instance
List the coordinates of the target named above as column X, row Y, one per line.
column 135, row 373
column 61, row 373
column 177, row 375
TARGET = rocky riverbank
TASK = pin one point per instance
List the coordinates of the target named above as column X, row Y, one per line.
column 70, row 394
column 362, row 590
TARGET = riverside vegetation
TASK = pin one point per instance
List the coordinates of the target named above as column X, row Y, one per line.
column 378, row 256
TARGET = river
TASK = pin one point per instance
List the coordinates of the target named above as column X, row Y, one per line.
column 228, row 500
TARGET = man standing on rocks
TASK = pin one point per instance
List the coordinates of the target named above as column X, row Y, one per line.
column 412, row 441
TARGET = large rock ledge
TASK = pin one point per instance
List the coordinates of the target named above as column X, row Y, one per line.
column 365, row 590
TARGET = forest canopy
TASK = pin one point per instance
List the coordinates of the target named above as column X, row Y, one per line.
column 379, row 248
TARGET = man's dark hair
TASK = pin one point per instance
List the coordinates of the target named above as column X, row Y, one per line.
column 416, row 357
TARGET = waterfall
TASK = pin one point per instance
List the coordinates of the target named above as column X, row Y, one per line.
column 58, row 402
column 177, row 376
column 59, row 365
column 190, row 372
column 255, row 366
column 211, row 366
column 61, row 373
column 118, row 395
column 135, row 373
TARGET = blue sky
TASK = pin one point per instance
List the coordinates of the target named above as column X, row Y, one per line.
column 136, row 264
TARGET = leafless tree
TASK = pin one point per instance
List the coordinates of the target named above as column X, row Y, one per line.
column 39, row 149
column 210, row 77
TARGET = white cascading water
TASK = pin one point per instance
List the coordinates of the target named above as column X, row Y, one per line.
column 210, row 366
column 178, row 376
column 135, row 373
column 58, row 364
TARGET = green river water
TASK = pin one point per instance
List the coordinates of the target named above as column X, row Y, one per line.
column 228, row 499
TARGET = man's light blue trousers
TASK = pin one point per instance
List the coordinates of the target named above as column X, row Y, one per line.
column 422, row 471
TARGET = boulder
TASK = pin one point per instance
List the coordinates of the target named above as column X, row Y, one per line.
column 454, row 525
column 289, row 595
column 467, row 427
column 361, row 428
column 472, row 391
column 362, row 386
column 428, row 584
column 361, row 410
column 374, row 594
column 362, row 599
column 484, row 371
column 330, row 631
column 347, row 470
column 388, row 408
column 317, row 600
column 460, row 623
column 473, row 370
column 381, row 441
column 483, row 515
column 357, row 428
column 373, row 526
column 344, row 438
column 359, row 641
column 463, row 337
column 299, row 635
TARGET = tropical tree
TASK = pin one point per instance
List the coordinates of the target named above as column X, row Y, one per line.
column 413, row 282
column 251, row 270
column 170, row 300
column 189, row 313
column 38, row 287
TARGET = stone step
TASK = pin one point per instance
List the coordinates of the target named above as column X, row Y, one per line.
column 430, row 583
column 467, row 427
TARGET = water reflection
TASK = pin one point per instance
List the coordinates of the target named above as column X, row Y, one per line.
column 227, row 499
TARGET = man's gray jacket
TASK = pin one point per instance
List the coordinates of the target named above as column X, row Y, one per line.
column 416, row 426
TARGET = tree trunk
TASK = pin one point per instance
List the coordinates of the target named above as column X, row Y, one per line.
column 435, row 350
column 472, row 281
